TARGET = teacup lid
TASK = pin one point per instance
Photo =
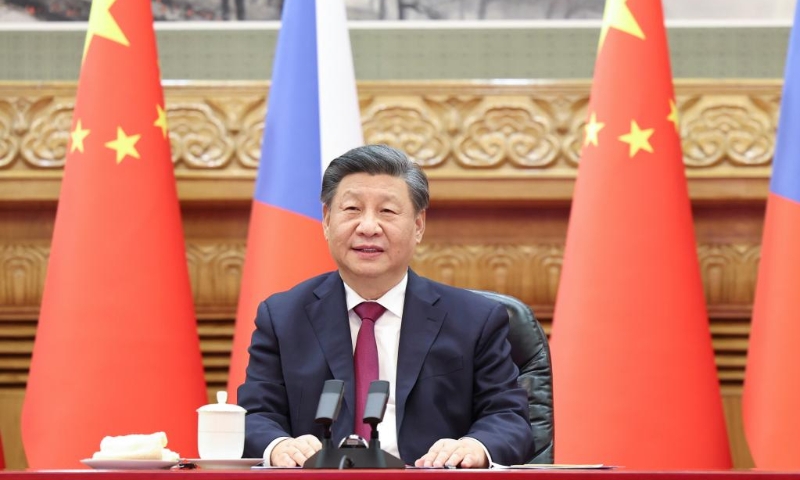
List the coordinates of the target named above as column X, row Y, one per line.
column 221, row 406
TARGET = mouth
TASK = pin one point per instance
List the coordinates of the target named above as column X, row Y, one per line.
column 368, row 249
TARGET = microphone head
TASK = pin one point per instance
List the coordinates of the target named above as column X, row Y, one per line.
column 330, row 401
column 377, row 397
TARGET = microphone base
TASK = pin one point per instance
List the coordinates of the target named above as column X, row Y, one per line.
column 344, row 458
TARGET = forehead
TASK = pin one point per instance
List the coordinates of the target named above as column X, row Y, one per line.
column 376, row 186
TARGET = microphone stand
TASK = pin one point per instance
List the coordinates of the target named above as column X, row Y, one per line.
column 328, row 454
column 343, row 458
column 377, row 454
column 373, row 456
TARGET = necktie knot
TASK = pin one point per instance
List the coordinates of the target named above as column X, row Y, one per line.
column 369, row 310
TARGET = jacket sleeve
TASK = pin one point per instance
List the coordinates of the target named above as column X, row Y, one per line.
column 263, row 394
column 499, row 406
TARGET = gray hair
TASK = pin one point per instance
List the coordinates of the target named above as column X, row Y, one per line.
column 377, row 160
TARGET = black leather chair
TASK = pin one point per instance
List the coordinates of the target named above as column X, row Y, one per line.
column 531, row 353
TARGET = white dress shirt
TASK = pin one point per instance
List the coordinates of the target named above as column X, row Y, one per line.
column 387, row 339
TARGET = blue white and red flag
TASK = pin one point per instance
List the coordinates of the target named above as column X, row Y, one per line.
column 312, row 117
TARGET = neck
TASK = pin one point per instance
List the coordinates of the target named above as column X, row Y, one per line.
column 371, row 288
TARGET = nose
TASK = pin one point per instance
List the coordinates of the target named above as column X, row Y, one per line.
column 368, row 225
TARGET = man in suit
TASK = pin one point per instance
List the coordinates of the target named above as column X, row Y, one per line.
column 453, row 400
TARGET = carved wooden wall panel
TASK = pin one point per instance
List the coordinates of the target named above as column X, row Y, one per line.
column 527, row 271
column 456, row 130
column 502, row 161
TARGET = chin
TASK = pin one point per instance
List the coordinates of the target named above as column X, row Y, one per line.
column 368, row 272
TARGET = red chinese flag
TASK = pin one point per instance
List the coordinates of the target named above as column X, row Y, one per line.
column 2, row 456
column 635, row 381
column 116, row 349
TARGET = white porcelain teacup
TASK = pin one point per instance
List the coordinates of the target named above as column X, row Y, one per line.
column 220, row 430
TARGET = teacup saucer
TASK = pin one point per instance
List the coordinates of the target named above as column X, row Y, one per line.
column 128, row 464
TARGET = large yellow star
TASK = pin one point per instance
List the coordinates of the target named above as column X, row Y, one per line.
column 673, row 114
column 103, row 24
column 617, row 15
column 638, row 139
column 124, row 145
column 161, row 121
column 592, row 129
column 78, row 135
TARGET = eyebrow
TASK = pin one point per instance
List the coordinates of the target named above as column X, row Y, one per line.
column 383, row 196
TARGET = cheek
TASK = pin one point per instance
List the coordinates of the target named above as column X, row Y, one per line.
column 341, row 234
column 339, row 238
column 404, row 241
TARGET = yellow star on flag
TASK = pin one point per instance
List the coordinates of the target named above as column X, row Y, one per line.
column 617, row 15
column 638, row 139
column 78, row 135
column 591, row 130
column 103, row 24
column 161, row 121
column 124, row 145
column 673, row 114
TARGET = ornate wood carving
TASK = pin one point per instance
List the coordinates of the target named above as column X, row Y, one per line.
column 22, row 273
column 729, row 272
column 738, row 130
column 527, row 271
column 215, row 270
column 453, row 129
column 409, row 128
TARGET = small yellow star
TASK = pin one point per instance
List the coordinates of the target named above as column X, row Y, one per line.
column 78, row 135
column 617, row 15
column 103, row 24
column 638, row 139
column 673, row 114
column 161, row 121
column 124, row 145
column 592, row 129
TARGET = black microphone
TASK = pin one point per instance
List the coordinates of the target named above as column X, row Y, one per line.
column 377, row 397
column 371, row 457
column 330, row 402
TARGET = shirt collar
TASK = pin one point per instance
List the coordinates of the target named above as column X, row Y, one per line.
column 393, row 300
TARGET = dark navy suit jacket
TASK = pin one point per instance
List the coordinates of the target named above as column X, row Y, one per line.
column 455, row 377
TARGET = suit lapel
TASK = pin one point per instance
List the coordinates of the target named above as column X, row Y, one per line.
column 419, row 328
column 328, row 317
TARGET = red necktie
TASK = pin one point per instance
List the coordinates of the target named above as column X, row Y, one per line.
column 365, row 360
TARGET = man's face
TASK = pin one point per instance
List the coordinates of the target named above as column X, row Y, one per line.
column 372, row 229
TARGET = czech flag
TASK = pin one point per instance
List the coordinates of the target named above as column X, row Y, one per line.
column 312, row 118
column 772, row 381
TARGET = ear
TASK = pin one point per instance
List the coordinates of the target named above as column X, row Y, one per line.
column 419, row 226
column 326, row 220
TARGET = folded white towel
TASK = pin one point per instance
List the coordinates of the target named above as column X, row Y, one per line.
column 135, row 447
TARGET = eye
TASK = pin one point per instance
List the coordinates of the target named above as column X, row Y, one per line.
column 350, row 208
column 388, row 210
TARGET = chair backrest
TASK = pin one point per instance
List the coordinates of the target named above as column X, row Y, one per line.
column 531, row 353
